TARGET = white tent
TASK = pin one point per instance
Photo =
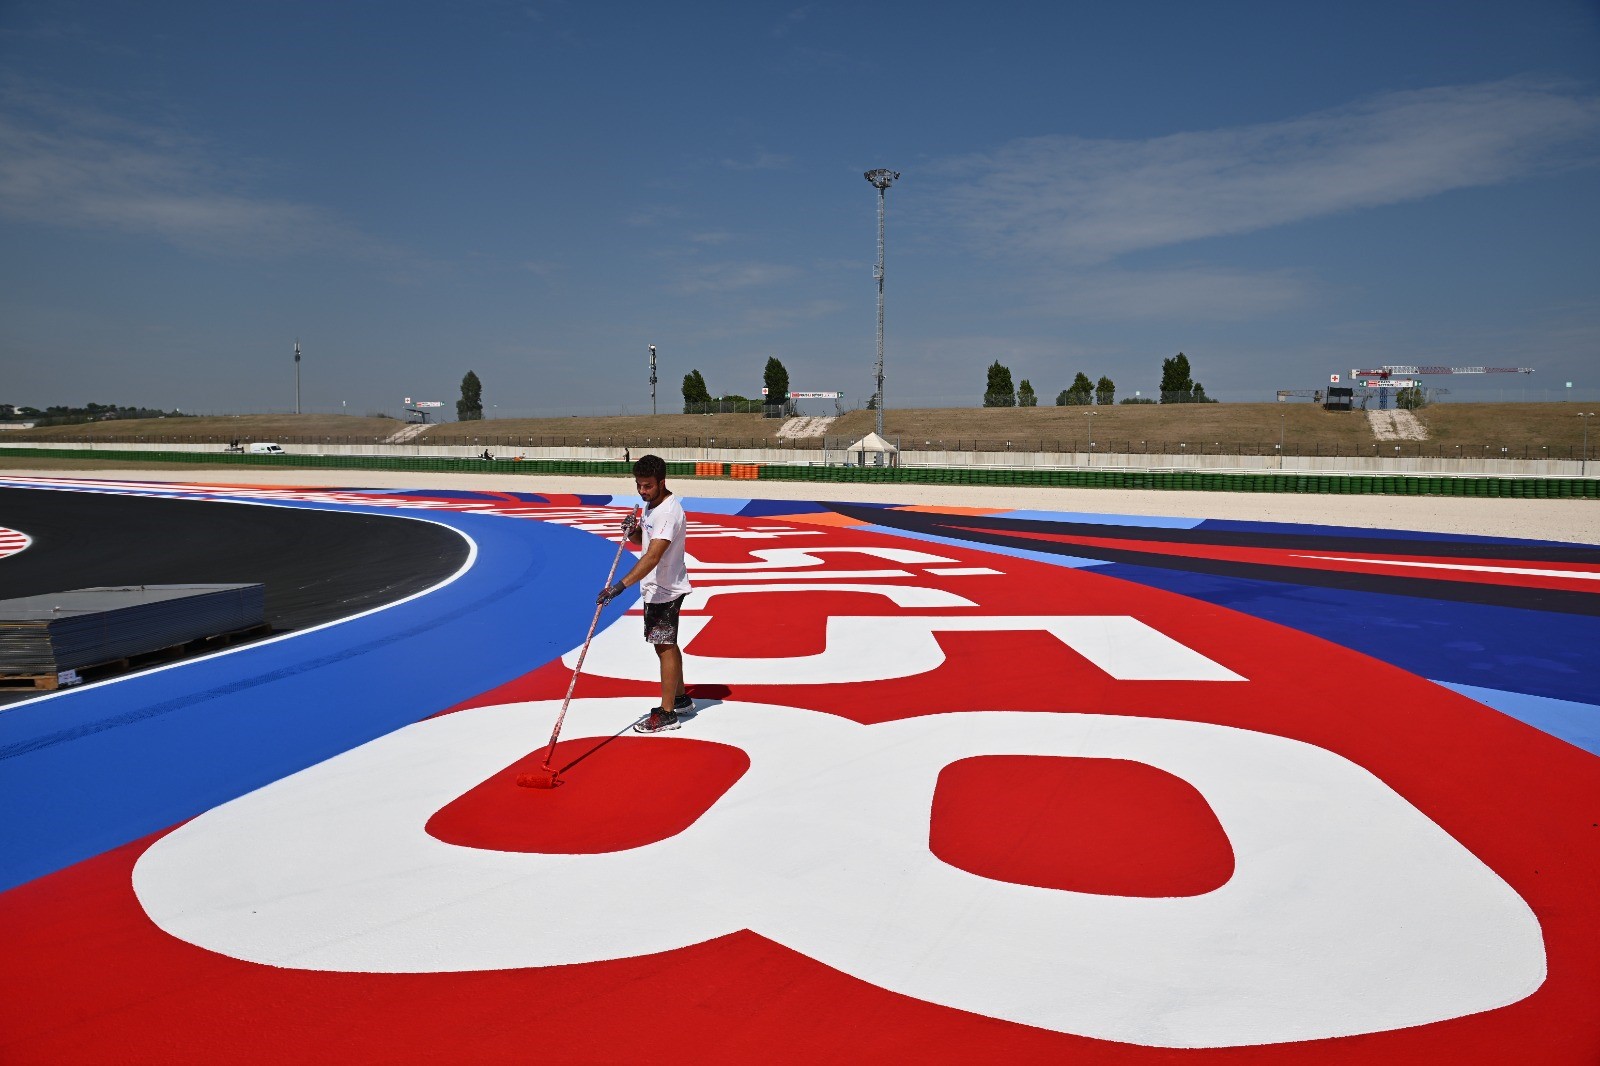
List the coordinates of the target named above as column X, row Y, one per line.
column 872, row 443
column 873, row 450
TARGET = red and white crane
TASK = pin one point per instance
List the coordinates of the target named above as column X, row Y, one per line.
column 1386, row 372
column 1392, row 376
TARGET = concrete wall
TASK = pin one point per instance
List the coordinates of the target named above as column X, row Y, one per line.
column 1306, row 464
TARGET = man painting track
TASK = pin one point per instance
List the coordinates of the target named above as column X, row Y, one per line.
column 665, row 582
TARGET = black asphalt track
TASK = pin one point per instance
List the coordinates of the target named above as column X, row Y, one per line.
column 317, row 566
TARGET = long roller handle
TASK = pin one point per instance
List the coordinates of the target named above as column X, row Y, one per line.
column 576, row 670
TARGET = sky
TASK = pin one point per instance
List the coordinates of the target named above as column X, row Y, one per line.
column 536, row 192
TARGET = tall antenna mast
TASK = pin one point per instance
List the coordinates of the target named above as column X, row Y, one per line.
column 297, row 375
column 881, row 180
column 652, row 379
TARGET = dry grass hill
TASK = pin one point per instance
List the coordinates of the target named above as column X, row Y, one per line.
column 1524, row 429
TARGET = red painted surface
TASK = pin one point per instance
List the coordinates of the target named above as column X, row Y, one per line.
column 86, row 977
column 1106, row 826
column 614, row 794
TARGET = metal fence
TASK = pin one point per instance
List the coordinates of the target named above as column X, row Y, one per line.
column 637, row 445
column 741, row 407
column 1381, row 449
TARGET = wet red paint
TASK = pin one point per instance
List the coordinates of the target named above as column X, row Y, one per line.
column 618, row 793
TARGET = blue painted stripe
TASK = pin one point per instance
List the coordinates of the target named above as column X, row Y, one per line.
column 98, row 767
column 1090, row 518
column 1236, row 526
column 1070, row 561
column 1576, row 723
column 708, row 504
column 1544, row 654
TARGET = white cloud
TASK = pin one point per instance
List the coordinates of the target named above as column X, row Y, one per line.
column 70, row 164
column 1196, row 293
column 727, row 277
column 1073, row 199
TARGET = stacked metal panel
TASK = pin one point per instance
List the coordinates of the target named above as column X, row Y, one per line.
column 84, row 627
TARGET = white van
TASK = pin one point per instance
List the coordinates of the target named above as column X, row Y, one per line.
column 264, row 448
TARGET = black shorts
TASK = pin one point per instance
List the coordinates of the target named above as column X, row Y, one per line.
column 661, row 622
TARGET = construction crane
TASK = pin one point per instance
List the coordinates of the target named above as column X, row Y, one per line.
column 1386, row 373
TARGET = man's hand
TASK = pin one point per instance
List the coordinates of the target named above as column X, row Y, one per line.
column 630, row 525
column 610, row 593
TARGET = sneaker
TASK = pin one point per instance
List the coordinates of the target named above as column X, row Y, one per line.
column 658, row 721
column 683, row 703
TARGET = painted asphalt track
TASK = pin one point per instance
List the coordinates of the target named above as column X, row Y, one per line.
column 963, row 785
column 107, row 764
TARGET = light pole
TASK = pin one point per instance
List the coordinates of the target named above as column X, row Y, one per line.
column 881, row 179
column 652, row 379
column 1583, row 467
column 1090, row 423
column 297, row 375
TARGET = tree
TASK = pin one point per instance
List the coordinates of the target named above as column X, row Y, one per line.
column 694, row 391
column 999, row 392
column 1176, row 384
column 1409, row 399
column 1199, row 394
column 1026, row 397
column 1078, row 394
column 776, row 379
column 1105, row 391
column 470, row 407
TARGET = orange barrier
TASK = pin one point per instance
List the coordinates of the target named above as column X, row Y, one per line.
column 708, row 469
column 747, row 471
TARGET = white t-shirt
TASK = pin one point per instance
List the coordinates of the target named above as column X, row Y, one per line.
column 670, row 578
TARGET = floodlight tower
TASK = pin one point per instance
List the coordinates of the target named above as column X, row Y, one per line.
column 881, row 180
column 297, row 375
column 652, row 379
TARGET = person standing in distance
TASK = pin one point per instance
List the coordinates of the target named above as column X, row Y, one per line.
column 664, row 580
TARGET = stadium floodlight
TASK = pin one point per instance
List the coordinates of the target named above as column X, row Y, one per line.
column 881, row 179
column 297, row 375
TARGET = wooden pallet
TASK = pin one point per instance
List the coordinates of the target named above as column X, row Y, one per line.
column 50, row 682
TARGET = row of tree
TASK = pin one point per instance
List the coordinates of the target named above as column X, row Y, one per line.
column 469, row 408
column 61, row 414
column 1177, row 386
column 696, row 395
column 1000, row 393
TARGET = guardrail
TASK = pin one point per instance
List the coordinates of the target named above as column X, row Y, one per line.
column 1410, row 449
